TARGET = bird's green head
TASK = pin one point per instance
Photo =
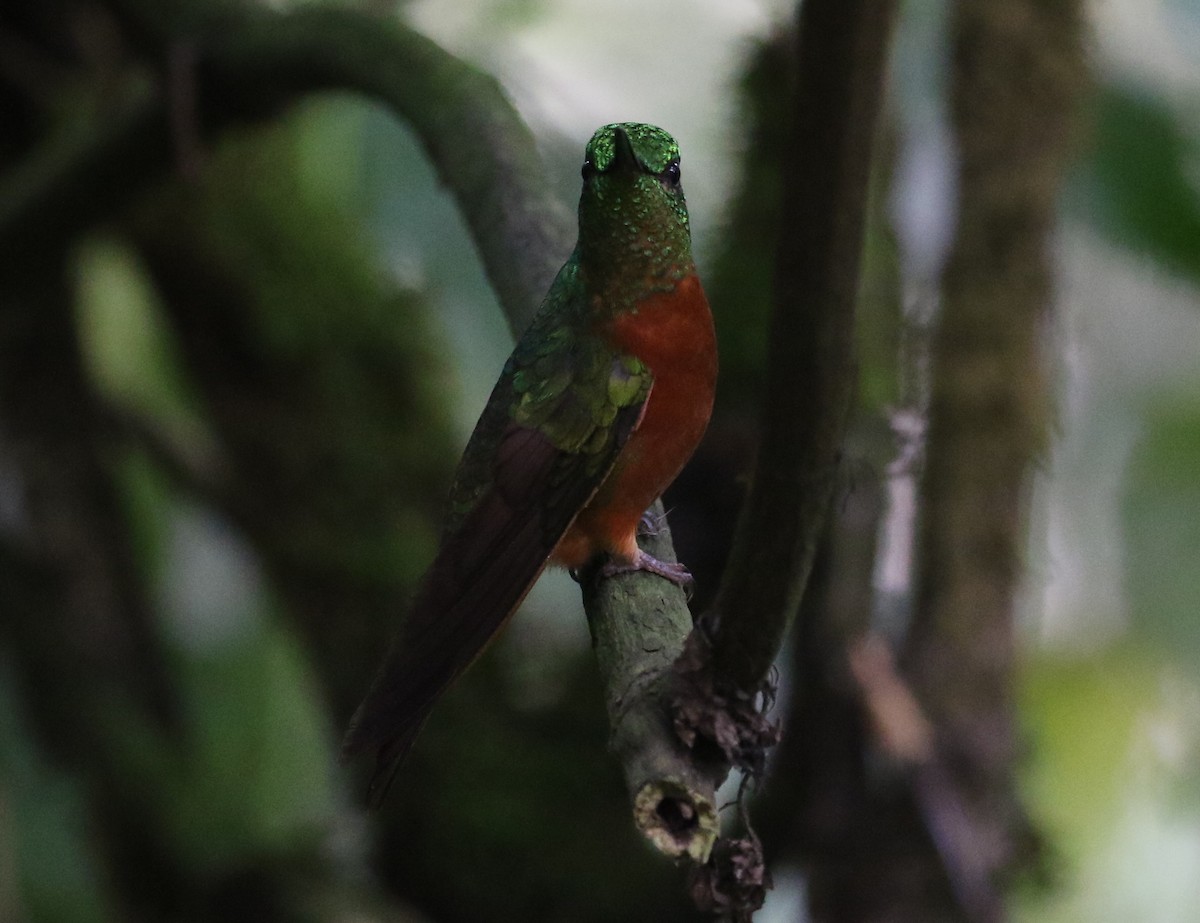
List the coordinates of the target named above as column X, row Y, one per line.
column 633, row 220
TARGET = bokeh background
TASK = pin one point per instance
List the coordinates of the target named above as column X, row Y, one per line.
column 293, row 342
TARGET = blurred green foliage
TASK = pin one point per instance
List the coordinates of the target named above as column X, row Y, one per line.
column 274, row 381
column 1162, row 527
column 1139, row 178
column 1113, row 784
column 49, row 871
column 1112, row 727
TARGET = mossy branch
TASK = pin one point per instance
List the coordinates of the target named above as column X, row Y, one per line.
column 1019, row 71
column 842, row 54
column 639, row 624
column 248, row 64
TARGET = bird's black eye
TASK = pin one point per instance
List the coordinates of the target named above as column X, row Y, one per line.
column 670, row 176
column 589, row 169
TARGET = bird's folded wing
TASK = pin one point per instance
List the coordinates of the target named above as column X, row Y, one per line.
column 545, row 465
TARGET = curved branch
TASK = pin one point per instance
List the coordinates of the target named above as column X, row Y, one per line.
column 249, row 67
column 479, row 145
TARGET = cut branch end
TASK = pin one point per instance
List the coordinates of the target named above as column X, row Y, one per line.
column 677, row 820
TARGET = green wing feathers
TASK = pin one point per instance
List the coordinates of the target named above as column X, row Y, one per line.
column 556, row 422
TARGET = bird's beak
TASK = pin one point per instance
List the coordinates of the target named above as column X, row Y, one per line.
column 624, row 159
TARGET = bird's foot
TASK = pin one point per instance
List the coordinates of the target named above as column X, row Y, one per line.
column 672, row 571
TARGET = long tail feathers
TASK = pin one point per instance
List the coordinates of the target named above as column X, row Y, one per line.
column 480, row 576
column 482, row 572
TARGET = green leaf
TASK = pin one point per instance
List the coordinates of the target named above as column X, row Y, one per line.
column 1139, row 184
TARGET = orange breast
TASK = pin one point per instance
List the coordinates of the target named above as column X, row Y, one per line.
column 673, row 334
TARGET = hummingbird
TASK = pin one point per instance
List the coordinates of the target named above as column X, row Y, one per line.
column 598, row 408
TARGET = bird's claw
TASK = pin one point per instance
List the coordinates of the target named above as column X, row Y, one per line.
column 673, row 571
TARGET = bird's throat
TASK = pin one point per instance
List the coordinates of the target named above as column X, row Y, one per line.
column 632, row 244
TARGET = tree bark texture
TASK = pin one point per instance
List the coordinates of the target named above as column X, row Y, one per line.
column 842, row 52
column 639, row 625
